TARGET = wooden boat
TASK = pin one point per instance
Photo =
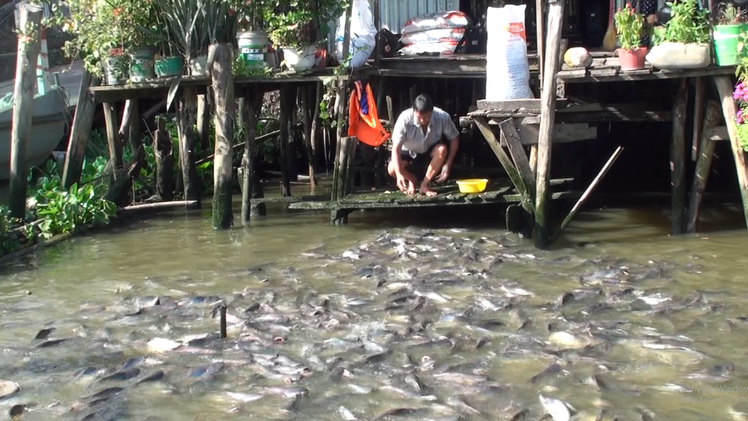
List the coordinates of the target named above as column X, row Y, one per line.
column 48, row 126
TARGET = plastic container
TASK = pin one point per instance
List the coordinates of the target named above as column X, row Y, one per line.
column 473, row 185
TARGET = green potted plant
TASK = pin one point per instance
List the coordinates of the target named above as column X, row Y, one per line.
column 141, row 18
column 630, row 28
column 685, row 43
column 99, row 32
column 251, row 39
column 726, row 31
column 168, row 61
column 296, row 27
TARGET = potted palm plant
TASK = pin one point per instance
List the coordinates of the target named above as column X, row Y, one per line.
column 185, row 26
column 685, row 43
column 630, row 27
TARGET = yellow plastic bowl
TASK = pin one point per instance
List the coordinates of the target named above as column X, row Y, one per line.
column 475, row 185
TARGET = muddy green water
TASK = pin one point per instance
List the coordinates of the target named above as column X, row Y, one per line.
column 89, row 287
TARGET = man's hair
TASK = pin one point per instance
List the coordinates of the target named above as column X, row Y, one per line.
column 423, row 104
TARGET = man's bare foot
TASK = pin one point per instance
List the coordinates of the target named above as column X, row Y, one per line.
column 425, row 190
column 411, row 188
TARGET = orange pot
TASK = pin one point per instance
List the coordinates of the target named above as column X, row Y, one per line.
column 632, row 59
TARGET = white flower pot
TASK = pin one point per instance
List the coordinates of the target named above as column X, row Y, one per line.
column 677, row 56
column 299, row 60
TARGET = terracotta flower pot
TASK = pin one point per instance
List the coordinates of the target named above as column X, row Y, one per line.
column 632, row 59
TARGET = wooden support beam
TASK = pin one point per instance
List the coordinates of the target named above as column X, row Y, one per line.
column 725, row 88
column 678, row 159
column 29, row 43
column 712, row 115
column 548, row 116
column 588, row 191
column 203, row 122
column 252, row 106
column 314, row 132
column 698, row 115
column 540, row 38
column 164, row 157
column 114, row 142
column 306, row 113
column 562, row 133
column 717, row 134
column 225, row 114
column 342, row 176
column 187, row 120
column 510, row 136
column 81, row 130
column 285, row 92
column 506, row 162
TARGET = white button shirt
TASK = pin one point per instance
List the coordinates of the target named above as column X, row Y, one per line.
column 409, row 133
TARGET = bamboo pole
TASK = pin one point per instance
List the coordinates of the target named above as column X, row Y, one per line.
column 588, row 191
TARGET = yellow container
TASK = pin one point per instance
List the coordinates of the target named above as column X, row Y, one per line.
column 475, row 185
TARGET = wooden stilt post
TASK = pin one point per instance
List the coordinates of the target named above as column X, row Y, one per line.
column 589, row 190
column 317, row 142
column 163, row 151
column 712, row 116
column 678, row 159
column 308, row 135
column 547, row 121
column 340, row 101
column 725, row 88
column 225, row 113
column 539, row 31
column 252, row 105
column 285, row 106
column 114, row 141
column 698, row 115
column 203, row 121
column 187, row 121
column 29, row 44
column 82, row 122
column 342, row 176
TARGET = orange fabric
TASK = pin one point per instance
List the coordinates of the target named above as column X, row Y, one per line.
column 366, row 127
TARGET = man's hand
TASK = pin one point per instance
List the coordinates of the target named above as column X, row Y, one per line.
column 402, row 182
column 442, row 177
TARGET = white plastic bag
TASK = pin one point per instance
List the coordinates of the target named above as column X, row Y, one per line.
column 507, row 70
column 363, row 34
column 440, row 20
column 433, row 35
column 444, row 48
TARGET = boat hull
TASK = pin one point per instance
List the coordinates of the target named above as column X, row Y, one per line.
column 48, row 126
